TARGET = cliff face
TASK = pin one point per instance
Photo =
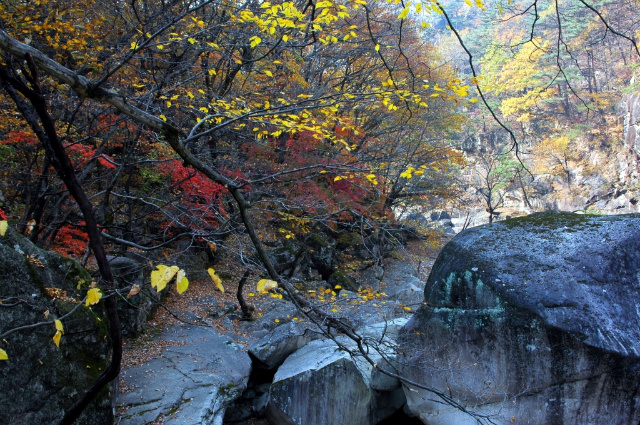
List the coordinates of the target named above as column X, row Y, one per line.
column 590, row 165
column 630, row 168
column 632, row 122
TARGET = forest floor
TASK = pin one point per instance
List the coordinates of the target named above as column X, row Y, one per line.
column 204, row 305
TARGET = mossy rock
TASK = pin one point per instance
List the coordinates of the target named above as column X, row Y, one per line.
column 41, row 380
column 340, row 277
column 349, row 239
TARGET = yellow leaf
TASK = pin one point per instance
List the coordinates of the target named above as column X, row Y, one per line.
column 93, row 296
column 212, row 71
column 404, row 13
column 255, row 40
column 377, row 47
column 268, row 73
column 3, row 227
column 191, row 40
column 162, row 276
column 162, row 117
column 216, row 279
column 3, row 355
column 160, row 46
column 134, row 45
column 182, row 283
column 265, row 285
column 135, row 289
column 56, row 338
column 59, row 327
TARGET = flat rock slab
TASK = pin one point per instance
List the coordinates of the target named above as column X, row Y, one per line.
column 198, row 374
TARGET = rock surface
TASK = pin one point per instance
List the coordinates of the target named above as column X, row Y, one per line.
column 270, row 351
column 278, row 338
column 321, row 384
column 135, row 311
column 402, row 284
column 534, row 320
column 197, row 375
column 40, row 381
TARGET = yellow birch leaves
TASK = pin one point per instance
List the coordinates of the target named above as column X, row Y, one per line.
column 216, row 279
column 265, row 285
column 3, row 227
column 255, row 40
column 164, row 274
column 182, row 283
column 93, row 296
column 59, row 332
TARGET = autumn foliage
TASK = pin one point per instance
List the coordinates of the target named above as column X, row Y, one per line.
column 314, row 110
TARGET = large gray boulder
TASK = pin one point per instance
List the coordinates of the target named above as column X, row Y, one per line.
column 40, row 380
column 323, row 385
column 271, row 350
column 534, row 320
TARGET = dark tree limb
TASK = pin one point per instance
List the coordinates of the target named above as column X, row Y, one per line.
column 247, row 310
